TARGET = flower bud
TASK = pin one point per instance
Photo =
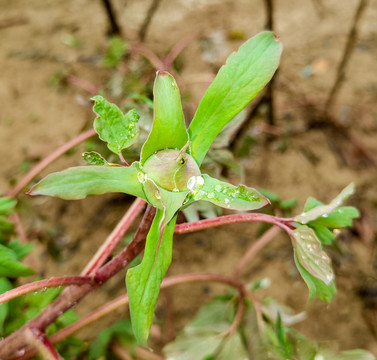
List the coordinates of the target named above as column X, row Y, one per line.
column 171, row 169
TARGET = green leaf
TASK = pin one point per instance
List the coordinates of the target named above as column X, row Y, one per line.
column 226, row 158
column 121, row 329
column 198, row 347
column 6, row 225
column 237, row 83
column 325, row 210
column 143, row 281
column 337, row 219
column 7, row 205
column 234, row 348
column 310, row 254
column 118, row 130
column 223, row 194
column 79, row 182
column 324, row 234
column 316, row 286
column 160, row 198
column 10, row 266
column 20, row 249
column 93, row 158
column 169, row 130
column 274, row 198
column 5, row 286
column 117, row 48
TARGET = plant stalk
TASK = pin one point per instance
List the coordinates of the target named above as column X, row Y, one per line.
column 48, row 160
column 44, row 284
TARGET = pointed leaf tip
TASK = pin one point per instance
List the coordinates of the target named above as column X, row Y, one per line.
column 226, row 195
column 169, row 129
column 244, row 75
column 79, row 182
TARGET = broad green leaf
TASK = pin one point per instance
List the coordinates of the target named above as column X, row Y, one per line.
column 5, row 286
column 7, row 205
column 310, row 254
column 143, row 281
column 325, row 210
column 10, row 266
column 118, row 130
column 244, row 75
column 223, row 194
column 316, row 286
column 93, row 158
column 169, row 130
column 79, row 182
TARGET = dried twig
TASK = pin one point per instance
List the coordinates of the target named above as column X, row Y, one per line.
column 114, row 28
column 148, row 18
column 350, row 45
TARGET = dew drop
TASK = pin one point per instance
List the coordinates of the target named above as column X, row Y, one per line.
column 195, row 183
column 226, row 201
column 211, row 195
column 218, row 188
column 175, row 190
column 157, row 195
column 142, row 177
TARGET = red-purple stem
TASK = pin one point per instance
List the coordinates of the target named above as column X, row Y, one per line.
column 44, row 284
column 73, row 294
column 48, row 160
column 113, row 239
column 283, row 223
column 43, row 345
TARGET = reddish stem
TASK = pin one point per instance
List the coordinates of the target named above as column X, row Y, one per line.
column 73, row 294
column 254, row 249
column 185, row 228
column 48, row 160
column 43, row 284
column 113, row 239
column 177, row 49
column 122, row 301
column 39, row 340
column 130, row 252
column 83, row 84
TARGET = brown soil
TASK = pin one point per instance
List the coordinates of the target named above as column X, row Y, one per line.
column 36, row 117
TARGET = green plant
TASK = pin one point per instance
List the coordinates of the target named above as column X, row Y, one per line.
column 169, row 179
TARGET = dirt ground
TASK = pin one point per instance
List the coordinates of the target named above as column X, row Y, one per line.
column 37, row 116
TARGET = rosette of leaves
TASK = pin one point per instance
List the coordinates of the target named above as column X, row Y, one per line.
column 168, row 174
